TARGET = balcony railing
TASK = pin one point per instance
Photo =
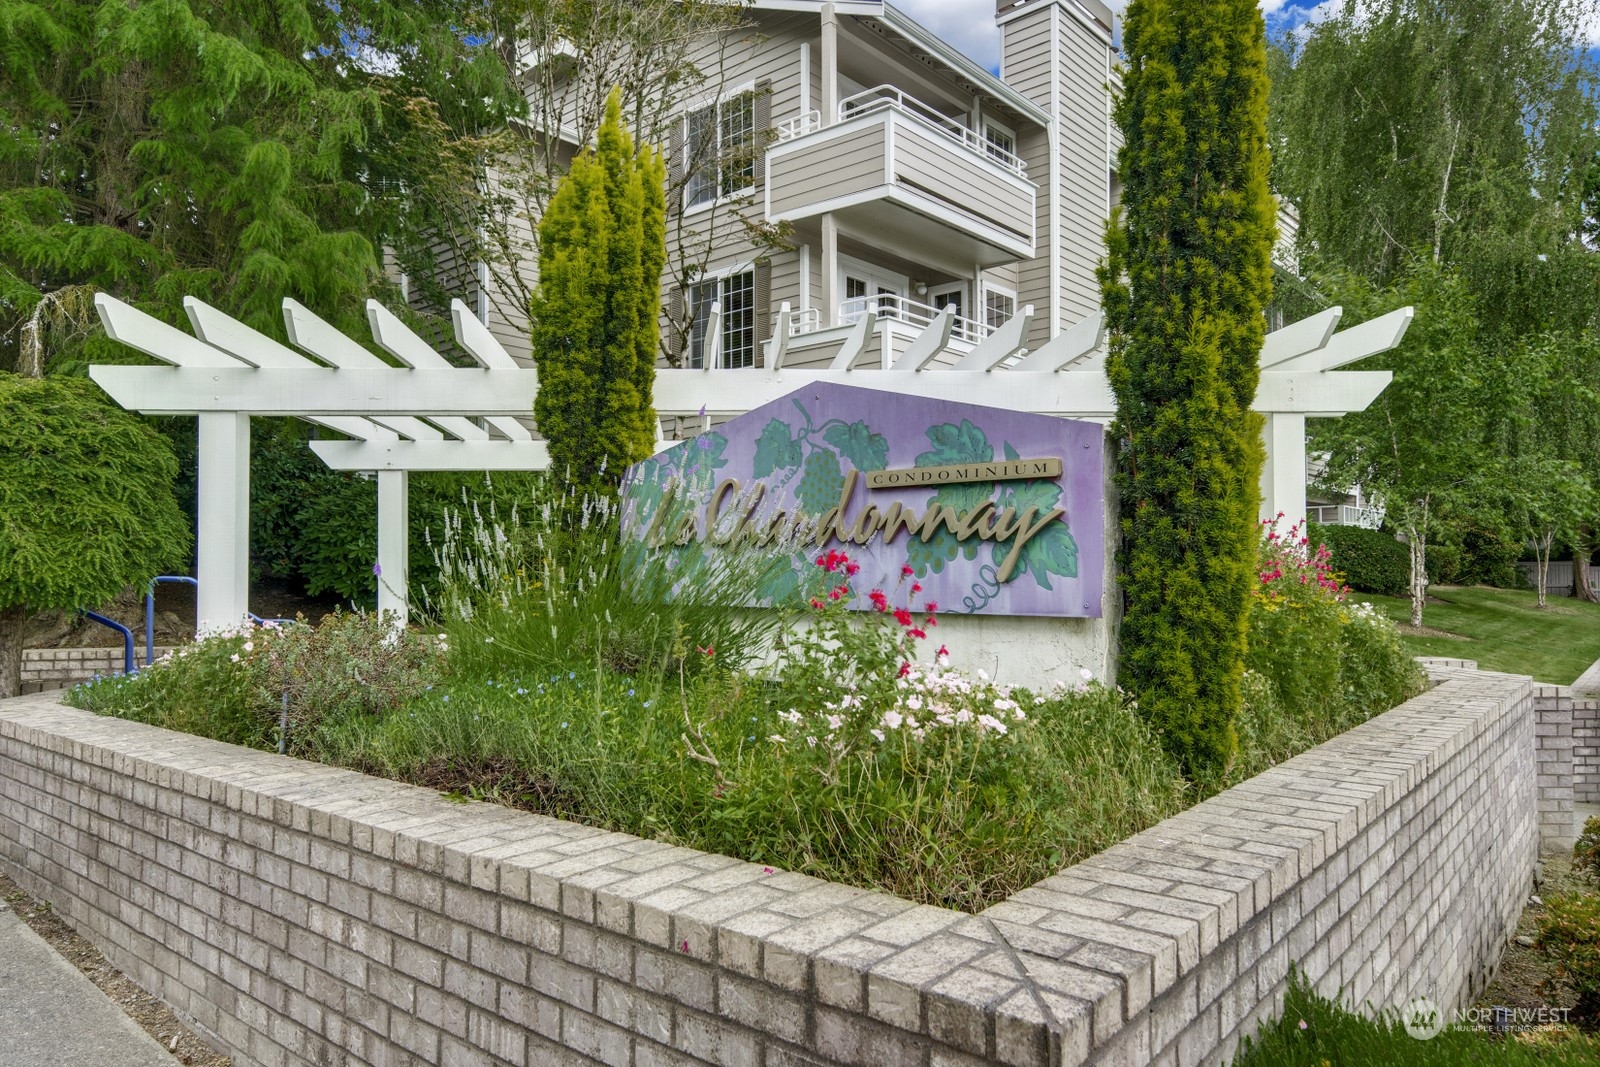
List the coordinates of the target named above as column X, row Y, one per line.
column 888, row 98
column 912, row 313
column 1365, row 516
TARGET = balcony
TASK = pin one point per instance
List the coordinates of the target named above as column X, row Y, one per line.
column 899, row 172
column 898, row 322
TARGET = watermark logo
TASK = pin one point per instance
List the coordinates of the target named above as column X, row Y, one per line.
column 1422, row 1018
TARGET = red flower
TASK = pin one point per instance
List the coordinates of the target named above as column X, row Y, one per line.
column 852, row 569
column 708, row 650
column 942, row 651
column 906, row 571
column 902, row 616
column 833, row 560
column 816, row 603
column 879, row 601
column 932, row 607
column 905, row 669
column 916, row 587
column 919, row 634
column 833, row 594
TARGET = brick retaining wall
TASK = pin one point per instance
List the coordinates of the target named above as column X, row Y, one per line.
column 57, row 668
column 304, row 914
column 1586, row 750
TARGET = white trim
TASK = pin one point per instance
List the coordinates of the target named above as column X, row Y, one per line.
column 875, row 276
column 805, row 77
column 935, row 291
column 1008, row 241
column 1053, row 137
column 700, row 103
column 805, row 277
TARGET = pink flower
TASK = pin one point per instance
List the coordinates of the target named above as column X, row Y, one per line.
column 916, row 587
column 906, row 571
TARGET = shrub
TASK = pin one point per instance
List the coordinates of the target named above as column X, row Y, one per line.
column 1319, row 664
column 1569, row 937
column 232, row 685
column 1369, row 561
column 1586, row 853
column 1445, row 563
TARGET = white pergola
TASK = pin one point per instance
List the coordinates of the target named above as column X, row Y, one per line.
column 429, row 415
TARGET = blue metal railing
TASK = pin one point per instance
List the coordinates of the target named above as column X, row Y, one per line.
column 127, row 637
column 150, row 611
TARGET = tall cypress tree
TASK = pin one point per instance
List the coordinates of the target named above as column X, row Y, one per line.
column 1187, row 275
column 602, row 247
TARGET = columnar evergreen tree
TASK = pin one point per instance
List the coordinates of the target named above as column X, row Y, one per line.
column 86, row 505
column 602, row 247
column 1185, row 282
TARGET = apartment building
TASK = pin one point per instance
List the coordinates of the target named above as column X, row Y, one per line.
column 840, row 158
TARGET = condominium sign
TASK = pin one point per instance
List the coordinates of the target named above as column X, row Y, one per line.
column 994, row 512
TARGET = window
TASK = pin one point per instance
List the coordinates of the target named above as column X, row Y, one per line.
column 998, row 307
column 736, row 293
column 999, row 142
column 719, row 149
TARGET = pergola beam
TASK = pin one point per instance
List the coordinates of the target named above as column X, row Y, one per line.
column 318, row 391
column 433, row 455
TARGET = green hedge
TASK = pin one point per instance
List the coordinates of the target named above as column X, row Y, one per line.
column 1370, row 561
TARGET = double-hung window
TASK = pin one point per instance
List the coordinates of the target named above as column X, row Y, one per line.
column 736, row 293
column 998, row 306
column 719, row 148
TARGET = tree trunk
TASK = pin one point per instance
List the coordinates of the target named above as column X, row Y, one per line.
column 1541, row 563
column 1419, row 572
column 13, row 628
column 1584, row 586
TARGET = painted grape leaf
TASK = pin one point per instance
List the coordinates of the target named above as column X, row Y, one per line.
column 867, row 450
column 1053, row 550
column 776, row 449
column 780, row 585
column 933, row 554
column 702, row 458
column 822, row 482
column 956, row 444
column 952, row 444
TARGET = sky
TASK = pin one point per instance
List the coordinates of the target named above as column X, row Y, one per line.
column 969, row 24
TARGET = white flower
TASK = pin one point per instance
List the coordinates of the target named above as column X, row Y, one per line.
column 963, row 716
column 983, row 675
column 249, row 646
column 878, row 734
column 778, row 739
column 835, row 721
column 892, row 720
column 989, row 722
column 234, row 658
column 1086, row 674
column 914, row 702
column 811, row 741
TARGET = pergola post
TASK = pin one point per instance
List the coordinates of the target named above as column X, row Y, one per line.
column 1283, row 475
column 394, row 545
column 223, row 542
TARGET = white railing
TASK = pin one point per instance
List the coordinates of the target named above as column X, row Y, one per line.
column 805, row 320
column 912, row 313
column 888, row 98
column 800, row 125
column 1367, row 517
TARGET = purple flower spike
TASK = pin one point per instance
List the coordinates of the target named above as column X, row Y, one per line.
column 377, row 570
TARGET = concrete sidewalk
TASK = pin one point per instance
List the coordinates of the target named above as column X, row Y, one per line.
column 51, row 1015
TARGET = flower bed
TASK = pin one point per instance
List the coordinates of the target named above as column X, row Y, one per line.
column 825, row 740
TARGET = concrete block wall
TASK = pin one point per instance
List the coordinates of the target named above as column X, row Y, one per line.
column 57, row 668
column 1554, row 710
column 304, row 914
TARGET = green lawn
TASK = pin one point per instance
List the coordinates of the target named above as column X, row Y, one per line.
column 1504, row 630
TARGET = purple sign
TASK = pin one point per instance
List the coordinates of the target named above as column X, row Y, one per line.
column 995, row 512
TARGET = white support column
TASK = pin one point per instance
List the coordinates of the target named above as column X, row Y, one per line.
column 830, row 271
column 223, row 544
column 394, row 544
column 1283, row 475
column 830, row 65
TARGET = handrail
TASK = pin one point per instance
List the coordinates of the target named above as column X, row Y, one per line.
column 806, row 320
column 897, row 308
column 802, row 124
column 150, row 610
column 888, row 98
column 127, row 636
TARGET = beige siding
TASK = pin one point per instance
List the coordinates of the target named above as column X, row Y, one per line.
column 955, row 175
column 850, row 162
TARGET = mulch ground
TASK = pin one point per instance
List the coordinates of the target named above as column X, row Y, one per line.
column 154, row 1017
